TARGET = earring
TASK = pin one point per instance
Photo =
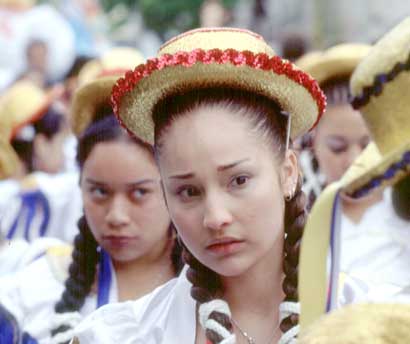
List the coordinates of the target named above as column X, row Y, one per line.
column 291, row 194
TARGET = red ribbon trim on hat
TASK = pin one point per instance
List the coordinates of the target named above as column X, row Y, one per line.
column 262, row 61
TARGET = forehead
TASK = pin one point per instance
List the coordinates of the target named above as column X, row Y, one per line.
column 342, row 120
column 119, row 162
column 210, row 133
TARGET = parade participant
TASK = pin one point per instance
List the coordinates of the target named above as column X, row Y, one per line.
column 342, row 134
column 378, row 86
column 35, row 196
column 222, row 110
column 126, row 245
column 34, row 128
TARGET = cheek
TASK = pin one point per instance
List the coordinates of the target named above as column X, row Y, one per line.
column 262, row 215
column 187, row 223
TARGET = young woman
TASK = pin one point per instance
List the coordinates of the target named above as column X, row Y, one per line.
column 382, row 273
column 126, row 246
column 342, row 134
column 217, row 103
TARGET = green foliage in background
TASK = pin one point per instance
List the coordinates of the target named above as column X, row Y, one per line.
column 166, row 15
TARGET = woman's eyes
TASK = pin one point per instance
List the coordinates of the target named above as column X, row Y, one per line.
column 99, row 193
column 239, row 181
column 188, row 192
column 337, row 145
column 191, row 192
column 138, row 194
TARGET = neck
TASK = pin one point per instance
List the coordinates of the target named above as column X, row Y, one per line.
column 355, row 209
column 140, row 276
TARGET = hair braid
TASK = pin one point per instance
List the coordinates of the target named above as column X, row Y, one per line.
column 205, row 285
column 176, row 252
column 81, row 273
column 295, row 218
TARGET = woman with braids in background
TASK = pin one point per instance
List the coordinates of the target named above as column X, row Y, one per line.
column 126, row 244
column 222, row 110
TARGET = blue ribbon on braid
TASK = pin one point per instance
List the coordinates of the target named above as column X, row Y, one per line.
column 104, row 278
column 31, row 202
column 334, row 254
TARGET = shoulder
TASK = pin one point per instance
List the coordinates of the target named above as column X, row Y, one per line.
column 140, row 321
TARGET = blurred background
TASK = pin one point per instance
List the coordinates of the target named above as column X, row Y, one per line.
column 48, row 35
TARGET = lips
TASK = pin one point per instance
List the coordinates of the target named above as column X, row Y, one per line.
column 118, row 240
column 225, row 246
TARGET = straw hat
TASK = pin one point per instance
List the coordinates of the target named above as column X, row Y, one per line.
column 216, row 57
column 20, row 105
column 361, row 324
column 379, row 85
column 338, row 61
column 96, row 80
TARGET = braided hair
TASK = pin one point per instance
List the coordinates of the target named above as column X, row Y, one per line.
column 85, row 256
column 265, row 115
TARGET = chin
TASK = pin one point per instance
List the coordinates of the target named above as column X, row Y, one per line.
column 229, row 266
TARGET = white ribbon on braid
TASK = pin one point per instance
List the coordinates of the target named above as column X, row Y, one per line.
column 205, row 311
column 286, row 309
column 70, row 319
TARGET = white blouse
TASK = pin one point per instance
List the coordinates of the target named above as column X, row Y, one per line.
column 165, row 316
column 31, row 294
column 64, row 200
column 375, row 256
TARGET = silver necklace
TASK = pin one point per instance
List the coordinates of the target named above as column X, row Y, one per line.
column 249, row 338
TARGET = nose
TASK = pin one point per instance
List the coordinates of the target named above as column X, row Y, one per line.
column 117, row 215
column 216, row 215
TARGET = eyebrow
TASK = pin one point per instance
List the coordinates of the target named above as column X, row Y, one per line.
column 219, row 169
column 129, row 185
column 231, row 165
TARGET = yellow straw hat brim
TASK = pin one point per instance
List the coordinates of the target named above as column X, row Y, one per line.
column 8, row 160
column 96, row 80
column 183, row 65
column 338, row 61
column 87, row 100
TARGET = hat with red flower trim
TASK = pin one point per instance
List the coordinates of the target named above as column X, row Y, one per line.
column 380, row 87
column 216, row 57
column 96, row 80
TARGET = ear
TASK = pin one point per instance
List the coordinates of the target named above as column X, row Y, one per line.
column 289, row 173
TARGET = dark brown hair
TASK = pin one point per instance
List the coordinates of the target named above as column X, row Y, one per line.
column 266, row 116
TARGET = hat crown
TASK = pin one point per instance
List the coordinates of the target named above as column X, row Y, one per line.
column 19, row 104
column 338, row 61
column 217, row 38
column 385, row 85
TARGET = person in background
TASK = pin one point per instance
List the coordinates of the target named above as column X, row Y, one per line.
column 126, row 243
column 376, row 260
column 342, row 134
column 42, row 201
column 36, row 63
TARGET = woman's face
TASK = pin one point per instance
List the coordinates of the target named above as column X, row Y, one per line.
column 49, row 152
column 339, row 139
column 123, row 201
column 224, row 189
